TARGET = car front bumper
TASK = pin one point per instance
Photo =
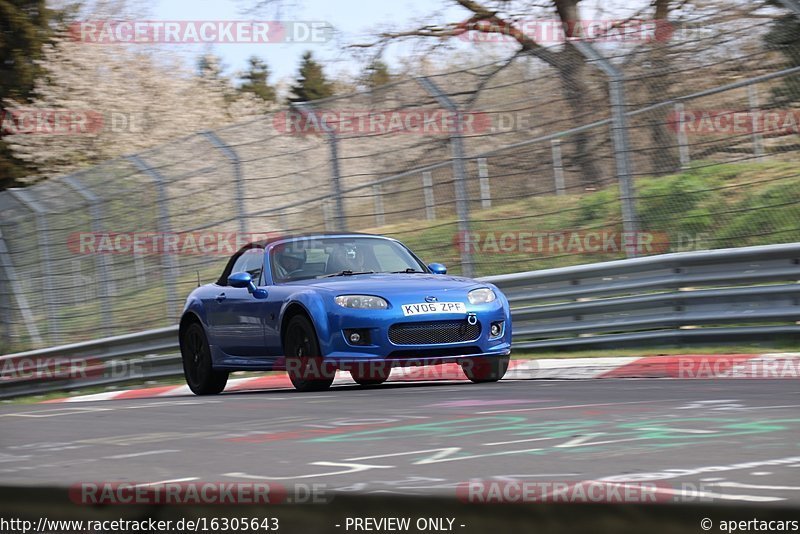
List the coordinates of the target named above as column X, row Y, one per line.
column 381, row 347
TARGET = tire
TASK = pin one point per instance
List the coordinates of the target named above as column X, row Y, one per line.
column 201, row 378
column 304, row 361
column 370, row 374
column 481, row 370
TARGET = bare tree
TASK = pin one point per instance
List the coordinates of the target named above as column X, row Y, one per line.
column 502, row 17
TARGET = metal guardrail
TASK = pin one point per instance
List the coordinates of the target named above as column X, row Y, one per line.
column 716, row 296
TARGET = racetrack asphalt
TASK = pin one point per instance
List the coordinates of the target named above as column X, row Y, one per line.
column 727, row 441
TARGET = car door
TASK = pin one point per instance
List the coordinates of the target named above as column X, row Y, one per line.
column 235, row 316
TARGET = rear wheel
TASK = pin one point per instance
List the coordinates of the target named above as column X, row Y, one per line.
column 196, row 355
column 370, row 374
column 304, row 362
column 480, row 370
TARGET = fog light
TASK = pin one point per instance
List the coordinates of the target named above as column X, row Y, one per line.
column 496, row 330
column 357, row 336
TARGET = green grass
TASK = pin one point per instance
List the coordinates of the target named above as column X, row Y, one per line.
column 723, row 205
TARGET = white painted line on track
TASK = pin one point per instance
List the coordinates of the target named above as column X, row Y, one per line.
column 570, row 406
column 56, row 412
column 170, row 481
column 683, row 430
column 753, row 486
column 515, row 441
column 137, row 454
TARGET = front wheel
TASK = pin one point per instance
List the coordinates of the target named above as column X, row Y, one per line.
column 370, row 373
column 306, row 367
column 196, row 355
column 491, row 369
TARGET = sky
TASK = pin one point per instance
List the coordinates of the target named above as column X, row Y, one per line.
column 353, row 21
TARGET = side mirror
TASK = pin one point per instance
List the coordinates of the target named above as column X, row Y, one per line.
column 437, row 268
column 241, row 280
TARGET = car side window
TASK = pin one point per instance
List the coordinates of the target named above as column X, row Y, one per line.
column 252, row 262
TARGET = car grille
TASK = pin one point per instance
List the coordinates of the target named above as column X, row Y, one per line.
column 418, row 355
column 433, row 332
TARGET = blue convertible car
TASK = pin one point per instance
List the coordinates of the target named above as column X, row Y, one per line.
column 313, row 304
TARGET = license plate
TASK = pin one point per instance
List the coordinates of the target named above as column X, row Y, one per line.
column 433, row 307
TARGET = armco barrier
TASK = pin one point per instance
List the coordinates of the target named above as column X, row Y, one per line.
column 717, row 296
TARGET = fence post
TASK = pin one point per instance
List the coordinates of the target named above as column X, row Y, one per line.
column 6, row 313
column 238, row 177
column 619, row 129
column 752, row 100
column 340, row 222
column 483, row 180
column 164, row 228
column 792, row 5
column 380, row 213
column 283, row 221
column 558, row 166
column 101, row 261
column 43, row 234
column 459, row 172
column 683, row 140
column 327, row 216
column 430, row 200
column 14, row 287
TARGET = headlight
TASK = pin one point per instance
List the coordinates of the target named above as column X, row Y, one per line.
column 481, row 296
column 363, row 302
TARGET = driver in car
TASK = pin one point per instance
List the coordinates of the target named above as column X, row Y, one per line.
column 290, row 263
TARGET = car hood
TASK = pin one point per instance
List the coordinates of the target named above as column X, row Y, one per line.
column 383, row 284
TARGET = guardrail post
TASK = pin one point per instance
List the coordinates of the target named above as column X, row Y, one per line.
column 14, row 287
column 101, row 260
column 619, row 130
column 483, row 178
column 339, row 220
column 459, row 172
column 164, row 227
column 683, row 140
column 43, row 234
column 752, row 100
column 558, row 167
column 233, row 156
column 380, row 213
column 430, row 200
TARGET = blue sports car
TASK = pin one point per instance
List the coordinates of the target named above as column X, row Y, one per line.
column 313, row 304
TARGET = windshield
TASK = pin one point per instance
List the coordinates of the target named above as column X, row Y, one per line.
column 301, row 259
